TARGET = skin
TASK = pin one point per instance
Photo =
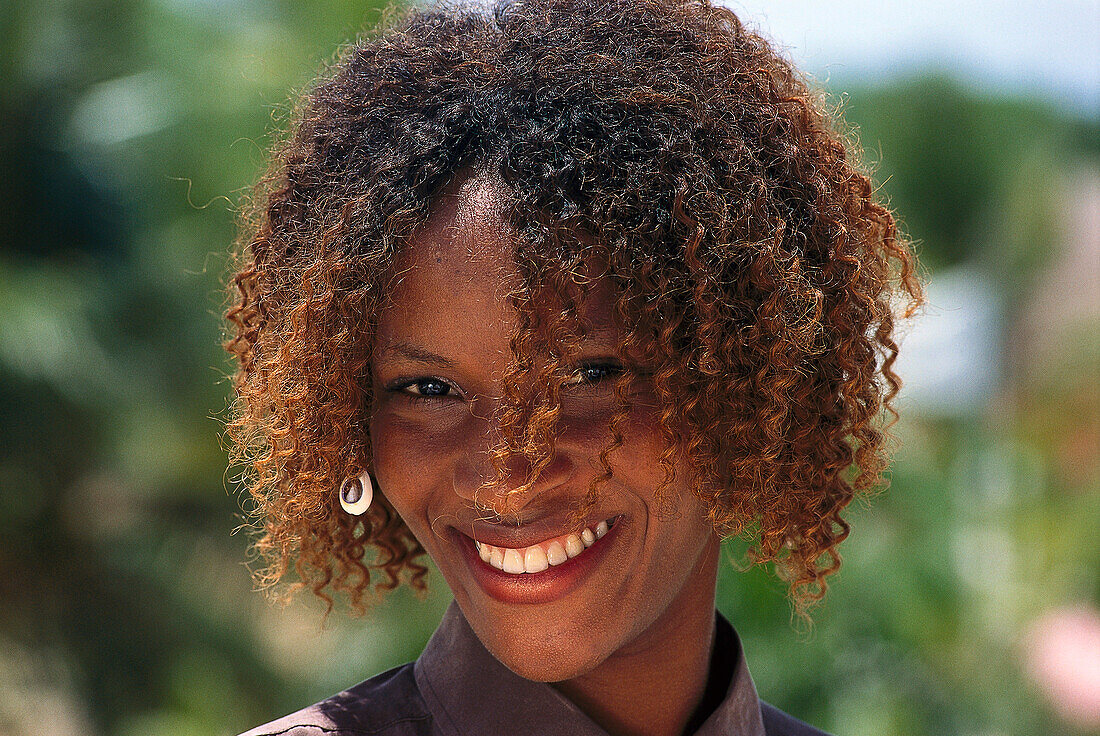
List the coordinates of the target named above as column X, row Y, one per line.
column 631, row 644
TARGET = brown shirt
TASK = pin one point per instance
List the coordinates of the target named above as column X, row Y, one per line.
column 457, row 688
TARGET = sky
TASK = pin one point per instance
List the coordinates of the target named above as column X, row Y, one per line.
column 1050, row 48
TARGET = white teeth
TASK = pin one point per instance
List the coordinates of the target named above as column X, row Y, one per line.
column 513, row 563
column 534, row 560
column 573, row 545
column 555, row 553
column 539, row 557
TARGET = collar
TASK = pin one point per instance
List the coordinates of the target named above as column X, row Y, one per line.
column 468, row 691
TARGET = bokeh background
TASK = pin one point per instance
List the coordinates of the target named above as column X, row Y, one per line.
column 129, row 129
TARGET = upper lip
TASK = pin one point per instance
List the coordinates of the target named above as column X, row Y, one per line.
column 525, row 534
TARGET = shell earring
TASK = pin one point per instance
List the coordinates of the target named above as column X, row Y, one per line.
column 356, row 494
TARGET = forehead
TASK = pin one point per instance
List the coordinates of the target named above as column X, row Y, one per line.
column 455, row 278
column 466, row 230
column 461, row 260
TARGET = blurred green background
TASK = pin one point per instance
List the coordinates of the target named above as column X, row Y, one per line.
column 968, row 600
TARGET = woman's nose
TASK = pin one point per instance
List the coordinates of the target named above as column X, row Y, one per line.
column 476, row 476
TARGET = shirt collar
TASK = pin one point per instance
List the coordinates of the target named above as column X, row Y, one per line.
column 469, row 692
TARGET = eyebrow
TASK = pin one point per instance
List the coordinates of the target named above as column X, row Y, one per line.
column 418, row 354
column 415, row 353
column 601, row 334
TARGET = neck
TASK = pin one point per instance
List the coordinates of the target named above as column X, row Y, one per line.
column 652, row 686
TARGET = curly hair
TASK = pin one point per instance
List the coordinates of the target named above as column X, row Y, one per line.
column 755, row 272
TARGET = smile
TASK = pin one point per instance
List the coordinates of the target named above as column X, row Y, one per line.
column 538, row 557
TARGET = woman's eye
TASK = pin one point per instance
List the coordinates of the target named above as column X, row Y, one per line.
column 427, row 387
column 590, row 374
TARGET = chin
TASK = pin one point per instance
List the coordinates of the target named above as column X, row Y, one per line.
column 552, row 658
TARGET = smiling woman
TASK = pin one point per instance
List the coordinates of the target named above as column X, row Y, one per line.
column 562, row 295
column 433, row 429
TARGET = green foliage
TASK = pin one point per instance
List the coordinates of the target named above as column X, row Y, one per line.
column 949, row 159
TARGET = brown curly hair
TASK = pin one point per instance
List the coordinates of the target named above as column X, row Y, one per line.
column 755, row 272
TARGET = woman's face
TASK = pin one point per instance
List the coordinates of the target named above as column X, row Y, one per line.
column 441, row 348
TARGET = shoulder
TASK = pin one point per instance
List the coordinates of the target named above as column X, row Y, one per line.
column 388, row 704
column 778, row 723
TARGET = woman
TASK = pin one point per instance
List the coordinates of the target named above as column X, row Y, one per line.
column 562, row 295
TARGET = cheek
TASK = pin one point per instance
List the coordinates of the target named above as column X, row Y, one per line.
column 676, row 523
column 412, row 461
column 586, row 419
column 585, row 428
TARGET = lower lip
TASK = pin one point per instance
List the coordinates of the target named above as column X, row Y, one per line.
column 549, row 585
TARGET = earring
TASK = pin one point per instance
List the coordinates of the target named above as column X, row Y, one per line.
column 356, row 494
